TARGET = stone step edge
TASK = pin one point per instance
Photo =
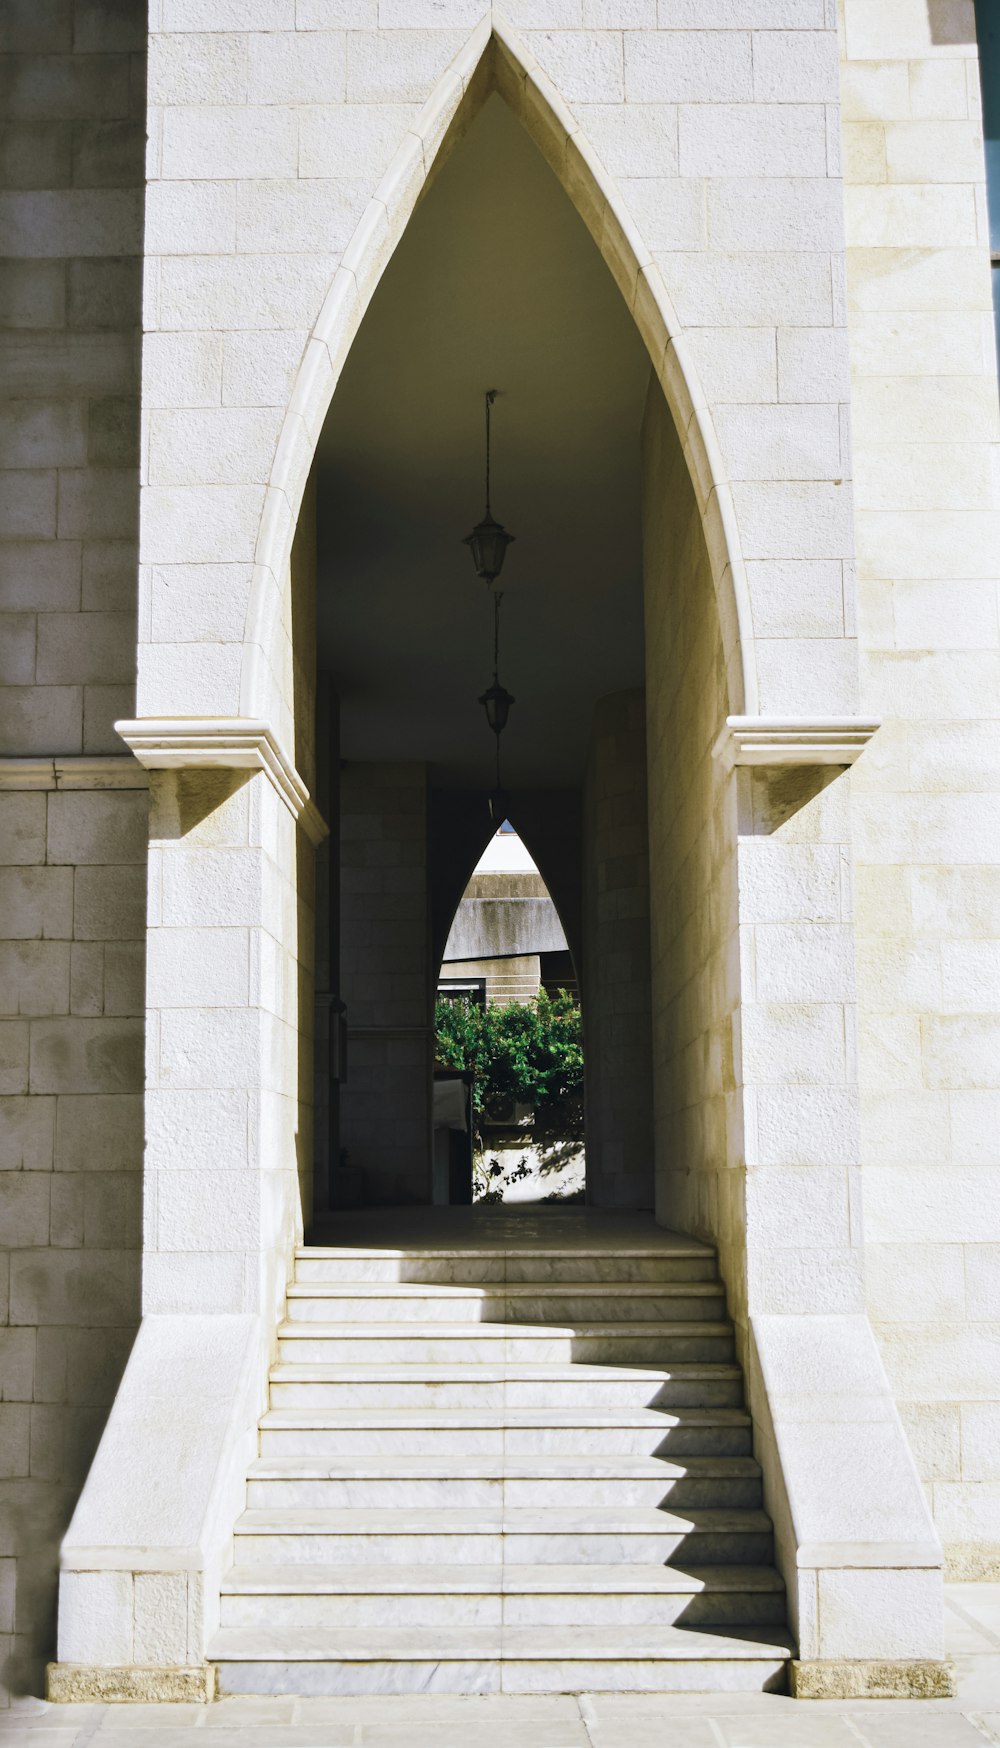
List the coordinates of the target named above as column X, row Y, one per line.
column 486, row 1419
column 509, row 1371
column 470, row 1580
column 460, row 1644
column 497, row 1520
column 673, row 1329
column 691, row 1250
column 475, row 1290
column 549, row 1465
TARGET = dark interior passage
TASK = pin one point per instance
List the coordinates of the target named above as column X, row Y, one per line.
column 496, row 282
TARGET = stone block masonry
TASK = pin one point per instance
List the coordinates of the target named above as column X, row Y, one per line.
column 72, row 859
column 926, row 801
column 72, row 95
column 72, row 1000
column 703, row 148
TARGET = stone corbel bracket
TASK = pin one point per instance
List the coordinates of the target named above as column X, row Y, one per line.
column 793, row 740
column 233, row 743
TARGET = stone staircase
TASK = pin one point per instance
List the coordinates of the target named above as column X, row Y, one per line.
column 504, row 1467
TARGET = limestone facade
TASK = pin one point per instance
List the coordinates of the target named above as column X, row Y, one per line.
column 824, row 946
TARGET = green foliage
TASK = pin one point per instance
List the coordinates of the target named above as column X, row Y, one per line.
column 526, row 1053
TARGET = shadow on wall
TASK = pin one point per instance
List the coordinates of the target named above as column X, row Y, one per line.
column 951, row 22
column 70, row 1184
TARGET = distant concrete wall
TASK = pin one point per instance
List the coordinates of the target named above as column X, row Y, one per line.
column 505, row 916
column 514, row 978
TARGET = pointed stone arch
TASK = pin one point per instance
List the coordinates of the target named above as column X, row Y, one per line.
column 493, row 59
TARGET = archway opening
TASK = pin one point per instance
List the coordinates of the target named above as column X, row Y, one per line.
column 496, row 281
column 508, row 1090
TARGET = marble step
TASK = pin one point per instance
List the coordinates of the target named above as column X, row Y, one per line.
column 485, row 1534
column 517, row 1432
column 497, row 1659
column 684, row 1262
column 432, row 1595
column 570, row 1479
column 503, row 1386
column 431, row 1344
column 562, row 1303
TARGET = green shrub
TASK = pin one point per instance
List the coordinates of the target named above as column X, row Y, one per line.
column 525, row 1053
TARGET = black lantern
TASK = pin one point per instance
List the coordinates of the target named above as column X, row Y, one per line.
column 488, row 541
column 488, row 545
column 496, row 701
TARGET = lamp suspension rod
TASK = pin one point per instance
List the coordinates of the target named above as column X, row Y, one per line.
column 491, row 395
column 497, row 598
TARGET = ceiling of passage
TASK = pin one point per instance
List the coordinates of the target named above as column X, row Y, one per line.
column 496, row 283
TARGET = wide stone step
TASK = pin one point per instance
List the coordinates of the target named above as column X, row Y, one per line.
column 436, row 1595
column 621, row 1343
column 560, row 1303
column 497, row 1659
column 518, row 1432
column 686, row 1261
column 570, row 1479
column 488, row 1534
column 328, row 1384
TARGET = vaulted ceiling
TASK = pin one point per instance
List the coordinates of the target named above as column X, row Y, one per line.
column 496, row 283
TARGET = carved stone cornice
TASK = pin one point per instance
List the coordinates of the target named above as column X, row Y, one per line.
column 223, row 743
column 793, row 740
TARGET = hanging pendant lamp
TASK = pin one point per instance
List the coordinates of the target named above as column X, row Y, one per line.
column 497, row 701
column 489, row 540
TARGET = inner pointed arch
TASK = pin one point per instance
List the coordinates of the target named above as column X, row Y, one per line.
column 492, row 60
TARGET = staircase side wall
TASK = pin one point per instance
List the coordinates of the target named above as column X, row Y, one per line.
column 757, row 1129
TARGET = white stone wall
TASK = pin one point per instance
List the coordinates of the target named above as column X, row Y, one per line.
column 287, row 145
column 284, row 159
column 755, row 1106
column 386, row 979
column 616, row 949
column 698, row 1115
column 926, row 796
column 229, row 1045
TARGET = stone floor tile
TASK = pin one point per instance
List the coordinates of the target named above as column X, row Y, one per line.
column 787, row 1729
column 966, row 1633
column 121, row 1734
column 38, row 1715
column 281, row 1735
column 656, row 1732
column 914, row 1726
column 241, row 1710
column 978, row 1604
column 523, row 1735
column 23, row 1733
column 977, row 1682
column 599, row 1706
column 989, row 1723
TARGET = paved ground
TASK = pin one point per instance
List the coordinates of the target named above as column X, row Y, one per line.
column 558, row 1721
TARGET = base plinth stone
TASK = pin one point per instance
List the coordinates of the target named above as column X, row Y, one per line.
column 882, row 1678
column 78, row 1683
